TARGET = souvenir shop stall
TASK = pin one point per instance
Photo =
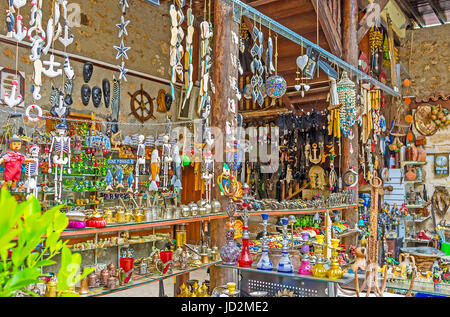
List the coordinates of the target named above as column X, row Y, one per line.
column 196, row 159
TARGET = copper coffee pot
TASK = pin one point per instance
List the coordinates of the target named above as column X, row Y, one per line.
column 84, row 288
column 104, row 277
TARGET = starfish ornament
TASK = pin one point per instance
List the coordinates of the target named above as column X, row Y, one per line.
column 123, row 26
column 124, row 4
column 122, row 50
column 123, row 71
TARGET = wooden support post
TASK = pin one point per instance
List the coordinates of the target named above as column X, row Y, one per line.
column 350, row 52
column 223, row 68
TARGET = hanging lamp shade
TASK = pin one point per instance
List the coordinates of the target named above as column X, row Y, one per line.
column 276, row 87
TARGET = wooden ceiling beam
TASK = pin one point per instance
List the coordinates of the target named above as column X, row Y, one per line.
column 438, row 11
column 278, row 9
column 406, row 7
column 290, row 78
column 309, row 97
column 363, row 24
column 259, row 3
column 329, row 27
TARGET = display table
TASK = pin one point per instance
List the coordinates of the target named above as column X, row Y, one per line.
column 251, row 279
column 442, row 289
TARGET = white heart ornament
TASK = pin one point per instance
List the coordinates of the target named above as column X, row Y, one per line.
column 302, row 61
column 297, row 87
column 306, row 87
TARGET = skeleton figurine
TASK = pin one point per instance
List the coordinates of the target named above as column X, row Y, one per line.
column 33, row 170
column 61, row 151
column 140, row 160
column 208, row 173
column 166, row 159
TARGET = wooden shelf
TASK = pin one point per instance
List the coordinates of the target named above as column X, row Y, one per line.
column 412, row 163
column 143, row 280
column 141, row 225
column 160, row 223
column 415, row 206
column 296, row 211
column 347, row 233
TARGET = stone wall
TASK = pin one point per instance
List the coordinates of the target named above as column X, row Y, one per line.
column 426, row 53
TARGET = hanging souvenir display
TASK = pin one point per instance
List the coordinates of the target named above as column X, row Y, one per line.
column 188, row 66
column 176, row 48
column 376, row 48
column 347, row 97
column 122, row 49
column 206, row 34
column 256, row 66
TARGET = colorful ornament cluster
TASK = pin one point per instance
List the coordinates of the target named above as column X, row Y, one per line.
column 42, row 40
column 122, row 49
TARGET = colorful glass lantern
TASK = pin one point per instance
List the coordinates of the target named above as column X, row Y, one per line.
column 276, row 87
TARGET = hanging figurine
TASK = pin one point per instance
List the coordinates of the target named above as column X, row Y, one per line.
column 176, row 179
column 119, row 177
column 109, row 178
column 130, row 183
column 154, row 167
column 32, row 171
column 208, row 173
column 13, row 160
column 166, row 156
column 140, row 160
column 61, row 151
column 10, row 20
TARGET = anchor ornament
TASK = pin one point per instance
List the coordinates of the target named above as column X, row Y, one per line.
column 50, row 72
column 22, row 31
column 66, row 40
column 13, row 100
column 313, row 155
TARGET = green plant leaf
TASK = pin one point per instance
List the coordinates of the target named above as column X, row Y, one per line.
column 45, row 263
column 32, row 258
column 23, row 278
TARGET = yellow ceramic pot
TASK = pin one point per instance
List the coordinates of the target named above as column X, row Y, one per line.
column 335, row 272
column 319, row 270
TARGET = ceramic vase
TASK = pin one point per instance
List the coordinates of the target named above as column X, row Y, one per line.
column 229, row 253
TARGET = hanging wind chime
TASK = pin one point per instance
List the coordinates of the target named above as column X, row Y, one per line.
column 276, row 85
column 347, row 97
